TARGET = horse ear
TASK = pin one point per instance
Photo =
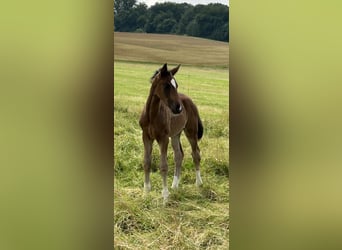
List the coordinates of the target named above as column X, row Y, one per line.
column 174, row 70
column 163, row 70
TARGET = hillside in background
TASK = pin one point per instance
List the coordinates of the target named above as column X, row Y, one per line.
column 208, row 21
column 161, row 48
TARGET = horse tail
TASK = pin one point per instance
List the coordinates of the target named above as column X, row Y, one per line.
column 200, row 129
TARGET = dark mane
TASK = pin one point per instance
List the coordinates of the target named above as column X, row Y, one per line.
column 154, row 75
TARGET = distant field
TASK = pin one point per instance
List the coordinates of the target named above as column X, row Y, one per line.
column 157, row 48
column 194, row 218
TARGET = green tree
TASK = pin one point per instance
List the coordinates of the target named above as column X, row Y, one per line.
column 164, row 17
column 207, row 21
column 210, row 22
column 129, row 16
column 166, row 26
column 123, row 14
column 122, row 6
column 186, row 19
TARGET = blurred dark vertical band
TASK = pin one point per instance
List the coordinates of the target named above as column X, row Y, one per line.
column 246, row 137
column 56, row 125
column 285, row 125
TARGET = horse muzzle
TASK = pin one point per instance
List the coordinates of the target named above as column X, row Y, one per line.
column 176, row 108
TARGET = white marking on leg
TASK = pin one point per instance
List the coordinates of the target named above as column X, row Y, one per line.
column 198, row 178
column 173, row 82
column 175, row 182
column 165, row 193
column 147, row 187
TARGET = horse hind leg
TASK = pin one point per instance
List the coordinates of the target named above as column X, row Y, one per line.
column 147, row 162
column 178, row 158
column 196, row 158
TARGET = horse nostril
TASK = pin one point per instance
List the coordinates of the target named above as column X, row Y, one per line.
column 179, row 108
column 176, row 108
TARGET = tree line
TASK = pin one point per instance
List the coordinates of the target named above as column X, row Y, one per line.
column 208, row 21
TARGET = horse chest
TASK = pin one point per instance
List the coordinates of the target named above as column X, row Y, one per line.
column 177, row 124
column 167, row 124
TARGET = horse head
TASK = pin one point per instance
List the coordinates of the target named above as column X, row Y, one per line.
column 165, row 87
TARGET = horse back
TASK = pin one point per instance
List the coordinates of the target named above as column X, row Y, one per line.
column 190, row 107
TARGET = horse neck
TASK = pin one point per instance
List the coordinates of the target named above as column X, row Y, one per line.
column 152, row 104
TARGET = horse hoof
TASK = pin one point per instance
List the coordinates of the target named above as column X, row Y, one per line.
column 147, row 187
column 175, row 182
column 165, row 194
column 199, row 181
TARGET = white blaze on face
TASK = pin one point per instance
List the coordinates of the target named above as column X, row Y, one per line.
column 173, row 82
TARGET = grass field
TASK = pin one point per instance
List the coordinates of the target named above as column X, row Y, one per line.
column 194, row 218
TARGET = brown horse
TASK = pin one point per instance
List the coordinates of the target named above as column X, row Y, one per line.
column 166, row 114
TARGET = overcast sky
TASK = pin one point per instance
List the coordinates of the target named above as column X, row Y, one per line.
column 193, row 2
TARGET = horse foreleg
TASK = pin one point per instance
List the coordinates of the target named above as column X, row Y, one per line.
column 163, row 165
column 178, row 157
column 147, row 162
column 196, row 159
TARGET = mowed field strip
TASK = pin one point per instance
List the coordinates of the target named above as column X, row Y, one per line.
column 141, row 47
column 194, row 218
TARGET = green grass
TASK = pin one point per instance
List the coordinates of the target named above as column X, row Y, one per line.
column 194, row 218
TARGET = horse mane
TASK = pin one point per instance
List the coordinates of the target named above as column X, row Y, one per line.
column 145, row 119
column 154, row 75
